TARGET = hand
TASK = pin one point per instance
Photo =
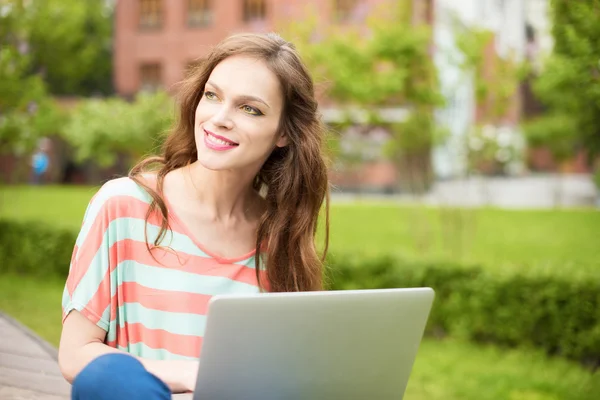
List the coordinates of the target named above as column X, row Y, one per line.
column 189, row 374
column 179, row 375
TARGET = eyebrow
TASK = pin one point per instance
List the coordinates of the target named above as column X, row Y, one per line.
column 243, row 97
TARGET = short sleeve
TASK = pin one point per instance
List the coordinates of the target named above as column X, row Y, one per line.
column 88, row 285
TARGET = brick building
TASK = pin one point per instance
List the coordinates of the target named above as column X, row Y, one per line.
column 156, row 40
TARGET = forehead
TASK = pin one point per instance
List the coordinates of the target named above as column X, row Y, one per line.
column 243, row 75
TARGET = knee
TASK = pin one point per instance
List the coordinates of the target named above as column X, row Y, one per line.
column 120, row 374
column 102, row 370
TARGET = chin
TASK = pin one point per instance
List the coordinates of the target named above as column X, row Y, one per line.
column 212, row 164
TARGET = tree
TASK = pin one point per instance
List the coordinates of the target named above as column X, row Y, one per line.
column 100, row 130
column 383, row 64
column 56, row 46
column 67, row 42
column 21, row 91
column 70, row 43
column 569, row 85
column 490, row 148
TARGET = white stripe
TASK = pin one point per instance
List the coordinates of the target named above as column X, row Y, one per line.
column 173, row 322
column 111, row 189
column 180, row 281
column 141, row 350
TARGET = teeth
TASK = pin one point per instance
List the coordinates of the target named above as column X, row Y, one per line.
column 219, row 141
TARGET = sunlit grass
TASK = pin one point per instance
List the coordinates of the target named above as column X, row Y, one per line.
column 551, row 241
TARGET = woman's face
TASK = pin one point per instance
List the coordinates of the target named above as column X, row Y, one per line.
column 237, row 118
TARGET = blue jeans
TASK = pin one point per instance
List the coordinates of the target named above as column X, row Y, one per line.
column 115, row 377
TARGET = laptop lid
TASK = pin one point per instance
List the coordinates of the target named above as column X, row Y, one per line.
column 353, row 344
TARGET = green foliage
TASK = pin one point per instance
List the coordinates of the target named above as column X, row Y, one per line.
column 556, row 132
column 68, row 42
column 596, row 177
column 99, row 129
column 496, row 82
column 471, row 44
column 569, row 84
column 61, row 46
column 35, row 249
column 496, row 78
column 385, row 63
column 19, row 87
column 390, row 65
column 492, row 150
column 20, row 131
column 561, row 315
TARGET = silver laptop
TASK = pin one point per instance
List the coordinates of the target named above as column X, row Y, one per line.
column 354, row 344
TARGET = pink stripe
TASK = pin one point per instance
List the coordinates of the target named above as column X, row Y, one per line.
column 163, row 300
column 133, row 250
column 184, row 345
column 112, row 209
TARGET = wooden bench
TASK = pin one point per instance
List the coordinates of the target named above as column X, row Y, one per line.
column 29, row 368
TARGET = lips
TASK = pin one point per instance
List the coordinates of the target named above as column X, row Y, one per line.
column 220, row 139
column 217, row 142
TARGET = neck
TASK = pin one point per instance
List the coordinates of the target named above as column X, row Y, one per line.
column 223, row 194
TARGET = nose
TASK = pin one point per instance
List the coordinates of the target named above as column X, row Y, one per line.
column 222, row 118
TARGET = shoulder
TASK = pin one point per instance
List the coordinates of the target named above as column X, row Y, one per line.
column 118, row 197
column 120, row 189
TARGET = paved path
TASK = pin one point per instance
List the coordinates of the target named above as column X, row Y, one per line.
column 28, row 366
column 533, row 191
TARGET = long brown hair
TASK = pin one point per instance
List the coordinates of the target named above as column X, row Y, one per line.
column 294, row 177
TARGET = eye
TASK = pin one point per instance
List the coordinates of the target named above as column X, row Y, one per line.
column 210, row 95
column 251, row 110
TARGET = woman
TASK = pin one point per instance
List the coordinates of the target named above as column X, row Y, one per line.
column 231, row 207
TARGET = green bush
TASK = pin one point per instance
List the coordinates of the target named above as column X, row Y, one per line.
column 35, row 249
column 100, row 129
column 558, row 314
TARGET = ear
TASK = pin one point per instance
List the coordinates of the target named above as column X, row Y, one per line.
column 282, row 141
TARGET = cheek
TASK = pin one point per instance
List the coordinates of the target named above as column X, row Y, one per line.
column 266, row 133
column 202, row 113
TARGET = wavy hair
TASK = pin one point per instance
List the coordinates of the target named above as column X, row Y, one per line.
column 293, row 180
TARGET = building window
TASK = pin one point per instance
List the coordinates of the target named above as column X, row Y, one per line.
column 199, row 13
column 254, row 10
column 344, row 9
column 150, row 14
column 150, row 77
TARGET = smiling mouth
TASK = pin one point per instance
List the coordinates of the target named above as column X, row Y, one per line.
column 219, row 141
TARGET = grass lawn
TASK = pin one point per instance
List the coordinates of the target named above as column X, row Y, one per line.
column 550, row 241
column 62, row 206
column 553, row 241
column 448, row 370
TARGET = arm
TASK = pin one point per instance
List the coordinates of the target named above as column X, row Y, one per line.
column 82, row 341
column 86, row 323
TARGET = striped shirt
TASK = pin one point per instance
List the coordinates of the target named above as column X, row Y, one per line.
column 150, row 308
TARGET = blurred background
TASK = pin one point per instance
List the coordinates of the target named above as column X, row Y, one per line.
column 464, row 137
